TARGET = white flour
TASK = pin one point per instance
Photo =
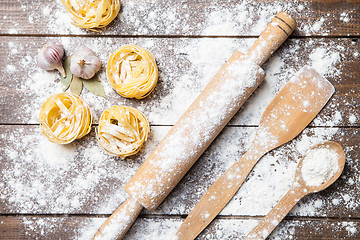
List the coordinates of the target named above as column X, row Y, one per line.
column 157, row 17
column 82, row 179
column 179, row 90
column 319, row 165
column 195, row 131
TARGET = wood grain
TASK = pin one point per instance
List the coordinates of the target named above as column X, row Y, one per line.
column 175, row 31
column 185, row 69
column 186, row 18
column 37, row 227
column 11, row 228
column 110, row 174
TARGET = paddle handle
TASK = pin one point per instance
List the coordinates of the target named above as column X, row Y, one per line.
column 117, row 225
column 276, row 32
column 218, row 195
column 274, row 217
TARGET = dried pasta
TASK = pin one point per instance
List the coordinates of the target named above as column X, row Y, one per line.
column 92, row 14
column 132, row 72
column 65, row 117
column 122, row 130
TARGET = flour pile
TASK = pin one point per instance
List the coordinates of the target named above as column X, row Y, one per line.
column 319, row 165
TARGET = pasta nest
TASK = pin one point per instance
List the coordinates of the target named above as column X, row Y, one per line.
column 132, row 72
column 65, row 117
column 92, row 14
column 122, row 130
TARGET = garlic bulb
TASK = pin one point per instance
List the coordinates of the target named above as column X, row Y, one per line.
column 84, row 63
column 50, row 56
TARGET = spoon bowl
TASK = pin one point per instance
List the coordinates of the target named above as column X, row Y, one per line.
column 298, row 190
column 340, row 160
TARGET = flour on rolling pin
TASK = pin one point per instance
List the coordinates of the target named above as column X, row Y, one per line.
column 194, row 131
column 120, row 220
column 211, row 113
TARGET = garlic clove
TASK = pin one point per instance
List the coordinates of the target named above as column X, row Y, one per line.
column 61, row 69
column 50, row 56
column 84, row 63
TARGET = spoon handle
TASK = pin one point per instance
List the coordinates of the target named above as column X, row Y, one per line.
column 217, row 196
column 274, row 217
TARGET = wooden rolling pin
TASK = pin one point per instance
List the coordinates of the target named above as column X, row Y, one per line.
column 196, row 128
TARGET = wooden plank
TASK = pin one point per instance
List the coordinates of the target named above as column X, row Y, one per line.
column 187, row 18
column 186, row 66
column 38, row 177
column 11, row 228
column 81, row 228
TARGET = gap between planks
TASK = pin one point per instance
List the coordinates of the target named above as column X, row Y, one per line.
column 183, row 216
column 170, row 125
column 172, row 36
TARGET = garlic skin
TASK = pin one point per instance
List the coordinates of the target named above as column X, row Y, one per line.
column 84, row 63
column 50, row 56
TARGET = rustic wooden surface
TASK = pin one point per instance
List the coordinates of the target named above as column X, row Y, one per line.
column 175, row 32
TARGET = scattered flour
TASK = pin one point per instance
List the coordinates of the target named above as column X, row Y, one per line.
column 10, row 69
column 323, row 60
column 181, row 18
column 335, row 201
column 181, row 87
column 351, row 228
column 13, row 31
column 43, row 177
column 38, row 179
column 352, row 118
column 317, row 25
column 345, row 17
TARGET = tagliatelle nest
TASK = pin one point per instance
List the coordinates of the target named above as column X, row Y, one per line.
column 122, row 130
column 92, row 14
column 132, row 72
column 65, row 117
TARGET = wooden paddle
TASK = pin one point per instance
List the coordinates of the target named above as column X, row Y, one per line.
column 298, row 190
column 292, row 109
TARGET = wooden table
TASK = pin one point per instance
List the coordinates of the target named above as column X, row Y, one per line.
column 66, row 192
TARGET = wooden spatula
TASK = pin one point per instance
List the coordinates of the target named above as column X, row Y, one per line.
column 298, row 190
column 292, row 109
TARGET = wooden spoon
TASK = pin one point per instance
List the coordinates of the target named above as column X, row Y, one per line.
column 298, row 190
column 291, row 110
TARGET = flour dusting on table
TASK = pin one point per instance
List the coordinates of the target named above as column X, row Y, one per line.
column 200, row 64
column 82, row 179
column 158, row 17
column 182, row 77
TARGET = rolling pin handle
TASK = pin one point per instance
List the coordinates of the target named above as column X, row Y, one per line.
column 276, row 32
column 117, row 225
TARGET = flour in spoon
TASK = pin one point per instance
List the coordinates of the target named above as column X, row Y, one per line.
column 319, row 165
